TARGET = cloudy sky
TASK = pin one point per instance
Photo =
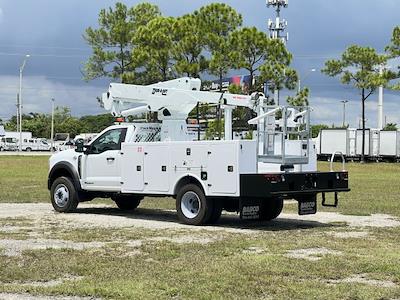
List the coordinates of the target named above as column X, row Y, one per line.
column 51, row 32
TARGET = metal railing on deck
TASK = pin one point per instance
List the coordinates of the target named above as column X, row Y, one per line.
column 283, row 135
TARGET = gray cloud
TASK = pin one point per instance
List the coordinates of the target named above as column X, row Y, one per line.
column 38, row 92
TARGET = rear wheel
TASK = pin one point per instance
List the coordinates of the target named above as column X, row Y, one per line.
column 127, row 202
column 64, row 197
column 192, row 206
column 28, row 149
column 271, row 208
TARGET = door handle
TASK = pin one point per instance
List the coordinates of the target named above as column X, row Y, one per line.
column 110, row 158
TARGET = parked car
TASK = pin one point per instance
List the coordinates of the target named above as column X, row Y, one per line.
column 8, row 144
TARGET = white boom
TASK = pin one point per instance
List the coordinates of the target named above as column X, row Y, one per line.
column 174, row 99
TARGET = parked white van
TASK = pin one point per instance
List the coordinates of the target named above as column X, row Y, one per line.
column 35, row 145
column 8, row 144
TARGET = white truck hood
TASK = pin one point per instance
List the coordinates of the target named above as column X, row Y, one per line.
column 65, row 156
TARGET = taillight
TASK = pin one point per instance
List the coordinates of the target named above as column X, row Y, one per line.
column 344, row 176
column 273, row 178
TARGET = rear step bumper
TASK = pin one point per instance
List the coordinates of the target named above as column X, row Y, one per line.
column 292, row 185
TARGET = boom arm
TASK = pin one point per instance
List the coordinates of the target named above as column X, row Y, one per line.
column 173, row 99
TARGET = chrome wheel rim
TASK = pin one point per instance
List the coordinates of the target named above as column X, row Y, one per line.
column 61, row 195
column 190, row 205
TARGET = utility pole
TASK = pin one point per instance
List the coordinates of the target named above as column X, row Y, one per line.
column 18, row 112
column 344, row 112
column 277, row 28
column 380, row 101
column 52, row 124
column 21, row 70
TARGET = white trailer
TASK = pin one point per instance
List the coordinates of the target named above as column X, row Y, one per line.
column 16, row 135
column 389, row 144
column 379, row 144
column 333, row 140
column 128, row 161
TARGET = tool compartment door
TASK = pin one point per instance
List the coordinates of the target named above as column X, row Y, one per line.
column 222, row 169
column 156, row 168
column 132, row 168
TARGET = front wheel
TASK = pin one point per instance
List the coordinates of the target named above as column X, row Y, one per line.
column 64, row 197
column 192, row 206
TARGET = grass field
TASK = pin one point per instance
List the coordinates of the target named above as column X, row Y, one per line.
column 210, row 263
column 375, row 187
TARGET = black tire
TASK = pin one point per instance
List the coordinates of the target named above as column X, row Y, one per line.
column 63, row 194
column 192, row 206
column 270, row 209
column 127, row 202
column 28, row 149
column 216, row 211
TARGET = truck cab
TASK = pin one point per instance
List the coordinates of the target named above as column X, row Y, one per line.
column 97, row 169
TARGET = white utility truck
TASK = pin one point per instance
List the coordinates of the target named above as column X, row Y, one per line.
column 128, row 161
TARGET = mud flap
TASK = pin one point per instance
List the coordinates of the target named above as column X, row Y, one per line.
column 250, row 209
column 308, row 205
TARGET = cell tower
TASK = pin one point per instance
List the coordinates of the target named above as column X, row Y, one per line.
column 278, row 27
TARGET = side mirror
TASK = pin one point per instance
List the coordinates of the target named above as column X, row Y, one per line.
column 88, row 149
column 79, row 146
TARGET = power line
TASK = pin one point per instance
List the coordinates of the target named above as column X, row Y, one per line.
column 45, row 47
column 47, row 89
column 42, row 55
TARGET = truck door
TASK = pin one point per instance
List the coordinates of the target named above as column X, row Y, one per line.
column 101, row 165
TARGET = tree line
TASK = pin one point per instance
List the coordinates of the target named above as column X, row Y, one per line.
column 40, row 124
column 139, row 45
